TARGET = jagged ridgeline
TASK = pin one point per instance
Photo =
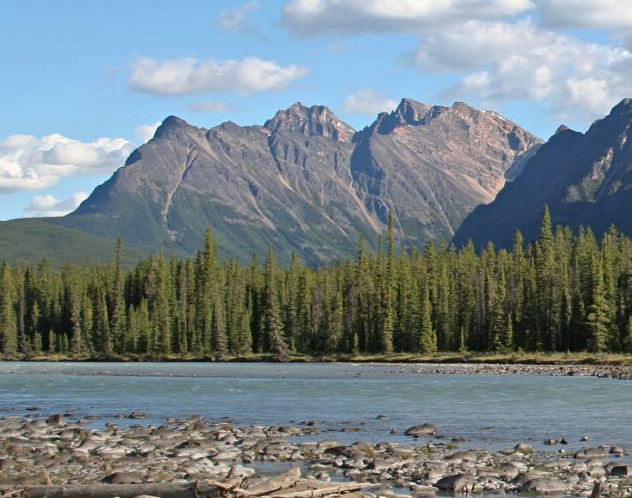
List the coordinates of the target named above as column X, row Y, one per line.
column 563, row 293
column 304, row 181
column 584, row 178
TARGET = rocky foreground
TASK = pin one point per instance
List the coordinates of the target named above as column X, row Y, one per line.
column 54, row 452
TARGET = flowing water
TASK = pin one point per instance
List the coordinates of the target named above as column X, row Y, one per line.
column 491, row 411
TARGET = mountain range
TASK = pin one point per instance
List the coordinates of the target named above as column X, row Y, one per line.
column 304, row 181
column 585, row 179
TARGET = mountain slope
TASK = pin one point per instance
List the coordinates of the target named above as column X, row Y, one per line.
column 433, row 165
column 307, row 182
column 585, row 179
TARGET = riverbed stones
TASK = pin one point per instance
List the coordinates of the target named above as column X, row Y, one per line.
column 194, row 449
column 456, row 483
column 620, row 470
column 426, row 429
column 124, row 478
column 545, row 486
column 525, row 449
column 597, row 452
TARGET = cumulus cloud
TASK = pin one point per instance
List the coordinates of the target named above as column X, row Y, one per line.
column 316, row 17
column 499, row 61
column 31, row 163
column 188, row 75
column 601, row 14
column 49, row 205
column 146, row 132
column 210, row 106
column 236, row 20
column 367, row 101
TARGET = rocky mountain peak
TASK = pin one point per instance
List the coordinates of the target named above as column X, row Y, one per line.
column 411, row 112
column 464, row 109
column 408, row 112
column 618, row 121
column 317, row 120
column 171, row 124
column 561, row 129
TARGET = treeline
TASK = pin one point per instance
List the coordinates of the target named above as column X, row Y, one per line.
column 562, row 293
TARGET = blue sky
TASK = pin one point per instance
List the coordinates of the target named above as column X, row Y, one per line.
column 86, row 82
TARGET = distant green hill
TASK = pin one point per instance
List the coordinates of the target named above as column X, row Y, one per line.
column 33, row 239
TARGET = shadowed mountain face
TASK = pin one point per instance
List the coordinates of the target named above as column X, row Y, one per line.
column 306, row 181
column 585, row 179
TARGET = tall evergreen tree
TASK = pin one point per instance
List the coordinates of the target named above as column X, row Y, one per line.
column 8, row 325
column 427, row 335
column 272, row 327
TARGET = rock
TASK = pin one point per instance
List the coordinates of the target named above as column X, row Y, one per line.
column 583, row 439
column 123, row 478
column 525, row 449
column 456, row 483
column 616, row 450
column 421, row 490
column 563, row 441
column 545, row 486
column 621, row 470
column 421, row 430
column 598, row 452
column 136, row 415
column 550, row 442
column 55, row 420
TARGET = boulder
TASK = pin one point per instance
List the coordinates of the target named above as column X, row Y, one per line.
column 421, row 430
column 598, row 452
column 456, row 483
column 545, row 486
column 525, row 449
column 124, row 478
column 621, row 470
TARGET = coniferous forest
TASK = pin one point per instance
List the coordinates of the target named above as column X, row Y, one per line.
column 563, row 292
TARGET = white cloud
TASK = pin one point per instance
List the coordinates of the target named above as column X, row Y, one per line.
column 236, row 20
column 31, row 163
column 499, row 61
column 210, row 106
column 367, row 101
column 49, row 205
column 315, row 17
column 604, row 14
column 188, row 75
column 146, row 132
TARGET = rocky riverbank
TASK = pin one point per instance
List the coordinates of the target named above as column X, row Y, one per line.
column 567, row 370
column 55, row 451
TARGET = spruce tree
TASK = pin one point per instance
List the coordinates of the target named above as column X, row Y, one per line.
column 597, row 320
column 271, row 326
column 8, row 325
column 427, row 335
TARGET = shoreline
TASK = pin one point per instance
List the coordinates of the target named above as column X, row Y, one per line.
column 512, row 358
column 55, row 451
column 567, row 366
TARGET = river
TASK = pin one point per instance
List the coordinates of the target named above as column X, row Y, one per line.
column 490, row 411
